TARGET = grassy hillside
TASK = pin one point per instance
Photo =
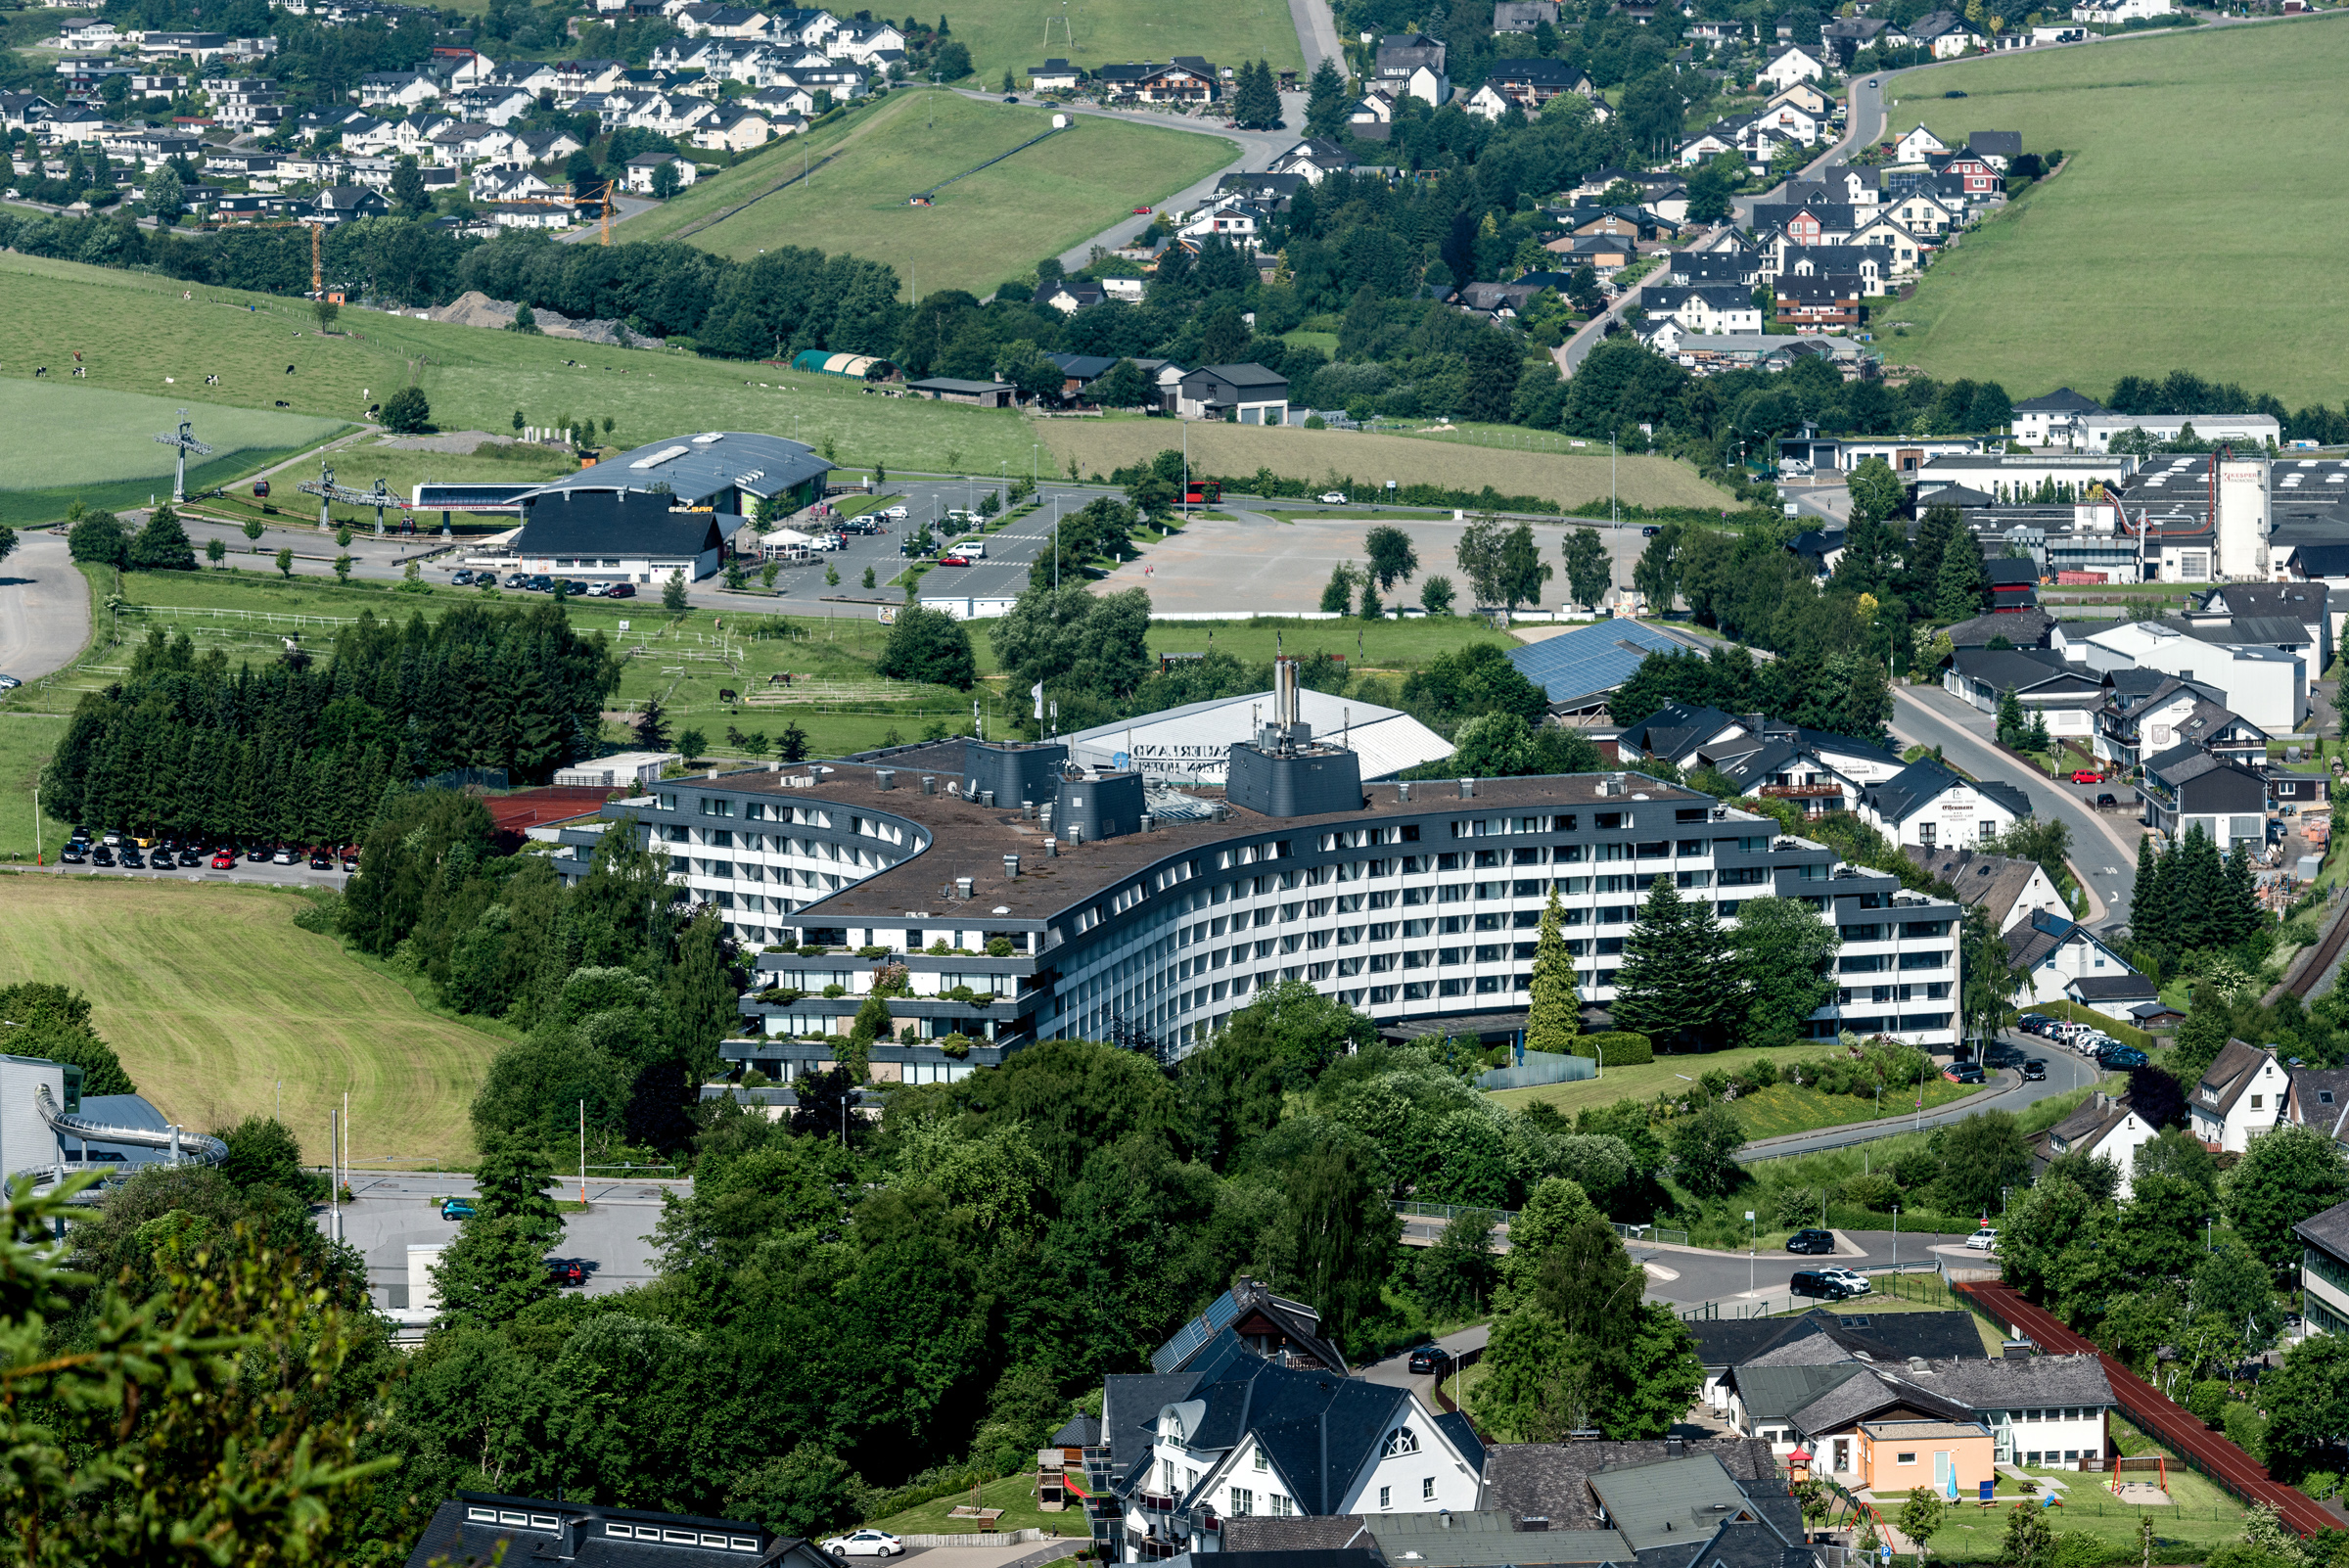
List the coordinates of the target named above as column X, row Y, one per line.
column 62, row 430
column 978, row 231
column 214, row 997
column 135, row 329
column 2190, row 229
column 1013, row 33
column 1358, row 463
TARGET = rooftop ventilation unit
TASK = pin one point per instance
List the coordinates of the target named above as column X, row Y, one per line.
column 708, row 438
column 660, row 457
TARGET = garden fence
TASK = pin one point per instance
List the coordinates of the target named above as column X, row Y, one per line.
column 1540, row 1067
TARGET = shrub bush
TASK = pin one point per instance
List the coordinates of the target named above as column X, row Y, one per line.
column 1617, row 1048
column 2208, row 1400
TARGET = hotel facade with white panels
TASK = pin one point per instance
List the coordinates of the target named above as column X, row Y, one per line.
column 1423, row 904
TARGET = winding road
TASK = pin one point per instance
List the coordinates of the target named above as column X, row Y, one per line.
column 44, row 607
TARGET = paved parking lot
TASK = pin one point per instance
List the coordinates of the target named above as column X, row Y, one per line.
column 298, row 875
column 391, row 1211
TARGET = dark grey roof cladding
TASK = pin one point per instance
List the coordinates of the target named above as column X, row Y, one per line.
column 612, row 523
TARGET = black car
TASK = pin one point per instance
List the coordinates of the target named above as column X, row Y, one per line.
column 322, row 861
column 2119, row 1058
column 1650, row 531
column 1963, row 1072
column 1812, row 1240
column 190, row 855
column 2035, row 1069
column 256, row 852
column 1826, row 1287
column 2107, row 803
column 2032, row 1023
column 132, row 860
column 540, row 584
column 102, row 856
column 1432, row 1359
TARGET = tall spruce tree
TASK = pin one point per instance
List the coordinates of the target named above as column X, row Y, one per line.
column 1678, row 980
column 1554, row 1017
column 1255, row 104
column 2149, row 900
column 1327, row 107
column 1959, row 585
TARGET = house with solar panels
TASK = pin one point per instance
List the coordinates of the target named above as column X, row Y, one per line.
column 1247, row 1411
column 1580, row 670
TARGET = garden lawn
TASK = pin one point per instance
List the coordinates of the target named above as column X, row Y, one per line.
column 26, row 741
column 1359, row 464
column 1006, row 32
column 2200, row 1516
column 1766, row 1113
column 1780, row 1109
column 978, row 231
column 135, row 329
column 2029, row 298
column 214, row 997
column 1015, row 1494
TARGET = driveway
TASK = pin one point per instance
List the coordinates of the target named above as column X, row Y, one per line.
column 393, row 1211
column 2066, row 1071
column 1395, row 1370
column 2103, row 843
column 44, row 607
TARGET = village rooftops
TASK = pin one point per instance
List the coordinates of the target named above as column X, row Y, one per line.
column 967, row 839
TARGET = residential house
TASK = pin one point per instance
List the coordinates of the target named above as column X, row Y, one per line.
column 2186, row 787
column 1846, row 36
column 1946, row 33
column 1882, row 233
column 1314, row 159
column 1912, row 147
column 1682, row 734
column 1869, row 266
column 1706, row 146
column 2318, row 1097
column 865, row 42
column 1740, row 267
column 1807, row 97
column 2060, row 959
column 1185, row 79
column 2053, row 420
column 1925, row 803
column 1246, row 393
column 2241, row 1094
column 1247, row 1419
column 2105, row 1126
column 1372, row 118
column 645, row 167
column 490, row 184
column 1528, row 84
column 345, row 203
column 2047, row 1412
column 2043, row 680
column 1791, row 121
column 1998, row 148
column 493, row 105
column 721, row 22
column 1054, row 75
column 1704, row 308
column 1412, row 65
column 2147, row 713
column 2008, row 890
column 396, row 89
column 1070, row 295
column 545, row 147
column 1523, row 15
column 1818, row 303
column 2301, row 602
column 1792, row 64
column 734, row 128
column 1820, row 1337
column 1673, row 1503
column 1927, row 217
column 2325, row 1269
column 1967, row 174
column 485, row 1527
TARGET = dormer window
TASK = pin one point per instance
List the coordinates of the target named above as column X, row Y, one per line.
column 1403, row 1440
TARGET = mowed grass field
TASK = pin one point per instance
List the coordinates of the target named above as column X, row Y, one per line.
column 212, row 997
column 1767, row 1113
column 62, row 431
column 1012, row 32
column 135, row 329
column 2195, row 226
column 1359, row 463
column 980, row 231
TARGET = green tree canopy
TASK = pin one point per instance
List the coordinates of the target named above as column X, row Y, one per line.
column 930, row 646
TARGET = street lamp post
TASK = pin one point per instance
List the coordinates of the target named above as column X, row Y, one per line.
column 1749, row 1252
column 1896, row 1235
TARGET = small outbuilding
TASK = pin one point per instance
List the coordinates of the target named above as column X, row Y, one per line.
column 951, row 390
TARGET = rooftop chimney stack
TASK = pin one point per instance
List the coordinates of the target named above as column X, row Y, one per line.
column 1011, row 867
column 885, row 778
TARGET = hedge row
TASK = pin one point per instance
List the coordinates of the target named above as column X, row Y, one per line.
column 2126, row 1033
column 1618, row 1048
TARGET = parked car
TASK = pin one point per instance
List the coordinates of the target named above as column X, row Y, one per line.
column 284, row 855
column 566, row 1272
column 224, row 859
column 896, row 514
column 1650, row 531
column 132, row 860
column 256, row 852
column 515, row 579
column 2120, row 1058
column 190, row 855
column 1818, row 1283
column 975, row 549
column 2032, row 1023
column 351, row 859
column 322, row 859
column 954, row 560
column 1963, row 1073
column 865, row 1544
column 10, row 682
column 462, row 578
column 456, row 1207
column 1858, row 1283
column 1985, row 1239
column 102, row 856
column 2107, row 802
column 1812, row 1240
column 598, row 590
column 1431, row 1358
column 541, row 583
column 72, row 853
column 1141, row 212
column 621, row 590
column 1333, row 498
column 2087, row 776
column 2035, row 1069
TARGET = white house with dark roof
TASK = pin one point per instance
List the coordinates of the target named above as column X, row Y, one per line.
column 2054, row 418
column 2058, row 959
column 2105, row 1126
column 1247, row 395
column 1795, row 62
column 2241, row 1094
column 2186, row 788
column 1925, row 803
column 2042, row 1412
column 2009, row 890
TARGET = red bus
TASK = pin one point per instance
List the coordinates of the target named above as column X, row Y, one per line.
column 1202, row 493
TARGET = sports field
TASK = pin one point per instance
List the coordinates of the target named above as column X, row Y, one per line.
column 1014, row 34
column 1357, row 463
column 214, row 997
column 996, row 224
column 2190, row 228
column 135, row 329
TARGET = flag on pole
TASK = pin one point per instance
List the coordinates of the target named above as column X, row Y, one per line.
column 1037, row 691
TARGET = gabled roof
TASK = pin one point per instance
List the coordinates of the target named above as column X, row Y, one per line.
column 2063, row 400
column 2089, row 1125
column 1659, row 1504
column 2235, row 1070
column 1243, row 376
column 1770, row 1393
column 2029, row 943
column 2131, row 986
column 1588, row 662
column 2328, row 1231
column 2023, row 668
column 1552, row 1481
column 1993, row 882
column 1247, row 1301
column 613, row 522
column 1881, row 1336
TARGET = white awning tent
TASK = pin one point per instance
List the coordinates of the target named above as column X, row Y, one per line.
column 1192, row 743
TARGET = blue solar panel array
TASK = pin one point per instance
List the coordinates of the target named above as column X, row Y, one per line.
column 1187, row 1339
column 1589, row 659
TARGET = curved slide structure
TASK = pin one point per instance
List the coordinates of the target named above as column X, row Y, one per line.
column 195, row 1148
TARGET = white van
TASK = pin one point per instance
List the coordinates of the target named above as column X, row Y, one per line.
column 974, row 549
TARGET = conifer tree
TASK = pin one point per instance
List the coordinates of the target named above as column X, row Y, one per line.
column 1675, row 980
column 1554, row 1018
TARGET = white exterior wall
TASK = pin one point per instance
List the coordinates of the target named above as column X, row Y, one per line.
column 2059, row 1436
column 2244, row 1120
column 1960, row 816
column 2242, row 520
column 2081, row 958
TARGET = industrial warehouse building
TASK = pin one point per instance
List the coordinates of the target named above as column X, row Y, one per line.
column 1192, row 743
column 723, row 471
column 1031, row 898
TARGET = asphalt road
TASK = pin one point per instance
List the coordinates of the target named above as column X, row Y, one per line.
column 2066, row 1071
column 609, row 1240
column 2103, row 843
column 1395, row 1370
column 44, row 608
column 1755, row 1284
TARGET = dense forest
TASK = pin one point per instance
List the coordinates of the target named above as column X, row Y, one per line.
column 302, row 749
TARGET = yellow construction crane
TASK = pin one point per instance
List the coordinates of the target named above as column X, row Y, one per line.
column 609, row 187
column 317, row 275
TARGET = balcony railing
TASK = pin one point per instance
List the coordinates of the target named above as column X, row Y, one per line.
column 1152, row 1503
column 1799, row 792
